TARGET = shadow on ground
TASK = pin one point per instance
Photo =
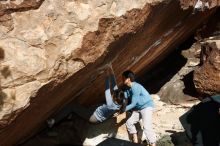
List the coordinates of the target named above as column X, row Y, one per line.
column 202, row 123
column 117, row 142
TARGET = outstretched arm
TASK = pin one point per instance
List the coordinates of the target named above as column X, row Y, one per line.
column 132, row 105
column 110, row 78
column 113, row 79
column 108, row 96
column 135, row 95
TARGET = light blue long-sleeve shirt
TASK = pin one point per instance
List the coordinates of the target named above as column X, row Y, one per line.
column 140, row 98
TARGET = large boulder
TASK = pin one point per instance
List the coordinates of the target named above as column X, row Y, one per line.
column 180, row 88
column 207, row 76
column 54, row 51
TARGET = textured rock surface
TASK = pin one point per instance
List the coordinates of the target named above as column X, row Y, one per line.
column 202, row 56
column 180, row 88
column 52, row 51
column 207, row 77
column 192, row 3
column 45, row 49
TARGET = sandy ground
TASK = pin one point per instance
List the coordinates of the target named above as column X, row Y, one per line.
column 165, row 123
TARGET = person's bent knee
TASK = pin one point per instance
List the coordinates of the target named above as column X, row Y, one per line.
column 129, row 122
column 131, row 128
column 151, row 138
column 128, row 125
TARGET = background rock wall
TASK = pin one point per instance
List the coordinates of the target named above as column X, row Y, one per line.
column 207, row 74
column 53, row 51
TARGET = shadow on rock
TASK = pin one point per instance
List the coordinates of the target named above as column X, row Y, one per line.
column 175, row 139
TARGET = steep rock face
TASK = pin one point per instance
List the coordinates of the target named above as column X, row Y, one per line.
column 42, row 47
column 51, row 55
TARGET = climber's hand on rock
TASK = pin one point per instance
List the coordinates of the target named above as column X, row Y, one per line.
column 109, row 69
column 116, row 114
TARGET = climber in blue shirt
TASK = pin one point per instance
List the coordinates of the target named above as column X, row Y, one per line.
column 114, row 101
column 141, row 106
column 140, row 98
column 114, row 98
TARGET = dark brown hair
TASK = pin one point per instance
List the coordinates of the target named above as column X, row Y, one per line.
column 129, row 74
